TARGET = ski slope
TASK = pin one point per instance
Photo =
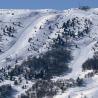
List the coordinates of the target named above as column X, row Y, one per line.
column 83, row 53
column 28, row 32
column 36, row 24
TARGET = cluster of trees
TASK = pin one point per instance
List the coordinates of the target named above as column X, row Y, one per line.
column 80, row 82
column 5, row 91
column 85, row 8
column 43, row 88
column 9, row 30
column 52, row 63
column 19, row 24
column 71, row 24
column 59, row 42
column 90, row 74
column 91, row 64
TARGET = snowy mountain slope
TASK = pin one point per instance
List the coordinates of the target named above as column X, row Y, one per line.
column 28, row 33
column 23, row 39
column 82, row 54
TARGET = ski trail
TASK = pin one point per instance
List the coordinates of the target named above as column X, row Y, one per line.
column 84, row 54
column 76, row 65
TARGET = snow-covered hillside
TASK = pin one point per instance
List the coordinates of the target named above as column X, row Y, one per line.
column 25, row 34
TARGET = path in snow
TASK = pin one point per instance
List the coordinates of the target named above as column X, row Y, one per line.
column 80, row 56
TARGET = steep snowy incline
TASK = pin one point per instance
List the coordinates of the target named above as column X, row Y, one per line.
column 37, row 31
column 83, row 53
column 80, row 56
column 22, row 42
